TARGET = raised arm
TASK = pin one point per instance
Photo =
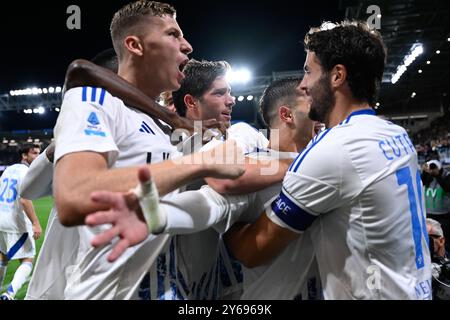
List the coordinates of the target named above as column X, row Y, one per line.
column 72, row 191
column 84, row 73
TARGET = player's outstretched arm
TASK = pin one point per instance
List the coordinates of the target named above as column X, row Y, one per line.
column 84, row 73
column 72, row 191
column 258, row 243
column 254, row 178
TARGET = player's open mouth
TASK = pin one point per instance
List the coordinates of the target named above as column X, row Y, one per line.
column 182, row 65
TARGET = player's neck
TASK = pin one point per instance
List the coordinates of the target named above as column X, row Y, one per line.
column 282, row 139
column 25, row 163
column 343, row 107
column 137, row 79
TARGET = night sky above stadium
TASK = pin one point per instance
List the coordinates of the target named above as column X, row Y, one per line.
column 263, row 36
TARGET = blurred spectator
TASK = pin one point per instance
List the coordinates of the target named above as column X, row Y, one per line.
column 440, row 262
column 436, row 181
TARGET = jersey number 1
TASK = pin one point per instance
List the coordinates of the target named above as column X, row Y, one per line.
column 404, row 178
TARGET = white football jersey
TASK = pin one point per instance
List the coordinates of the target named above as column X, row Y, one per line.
column 197, row 266
column 357, row 185
column 12, row 217
column 246, row 137
column 291, row 275
column 93, row 120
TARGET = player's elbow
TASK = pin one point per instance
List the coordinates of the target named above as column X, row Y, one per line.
column 223, row 186
column 68, row 210
column 76, row 70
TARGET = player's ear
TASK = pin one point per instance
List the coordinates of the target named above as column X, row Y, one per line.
column 191, row 103
column 338, row 75
column 285, row 114
column 133, row 45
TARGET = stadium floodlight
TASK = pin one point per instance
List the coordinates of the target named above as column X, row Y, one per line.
column 57, row 109
column 419, row 71
column 428, row 61
column 241, row 98
column 438, row 51
column 413, row 95
column 416, row 50
column 35, row 110
column 241, row 76
column 12, row 93
column 45, row 91
column 58, row 90
column 51, row 90
column 250, row 98
column 40, row 110
column 448, row 39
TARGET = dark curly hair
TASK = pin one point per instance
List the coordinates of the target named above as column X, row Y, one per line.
column 360, row 49
column 199, row 76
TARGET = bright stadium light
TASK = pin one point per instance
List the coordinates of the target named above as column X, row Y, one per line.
column 41, row 110
column 239, row 76
column 57, row 109
column 45, row 91
column 241, row 98
column 51, row 90
column 438, row 51
column 413, row 95
column 250, row 98
column 58, row 90
column 419, row 71
column 428, row 61
column 416, row 50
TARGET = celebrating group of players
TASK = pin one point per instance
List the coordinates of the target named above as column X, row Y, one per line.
column 145, row 208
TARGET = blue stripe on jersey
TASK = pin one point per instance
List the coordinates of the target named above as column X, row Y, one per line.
column 370, row 112
column 102, row 97
column 172, row 275
column 93, row 94
column 84, row 94
column 294, row 166
column 292, row 214
column 144, row 288
column 145, row 125
column 161, row 270
column 419, row 192
column 16, row 247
